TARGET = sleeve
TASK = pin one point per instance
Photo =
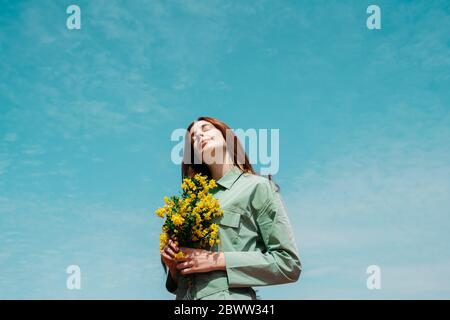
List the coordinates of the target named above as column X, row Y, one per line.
column 279, row 263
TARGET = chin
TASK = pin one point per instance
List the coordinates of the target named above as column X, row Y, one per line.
column 208, row 149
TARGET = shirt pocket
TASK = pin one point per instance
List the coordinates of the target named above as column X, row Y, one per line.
column 230, row 224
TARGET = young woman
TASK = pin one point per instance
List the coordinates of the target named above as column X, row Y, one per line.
column 257, row 245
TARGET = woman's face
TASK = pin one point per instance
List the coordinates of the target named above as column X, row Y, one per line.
column 207, row 141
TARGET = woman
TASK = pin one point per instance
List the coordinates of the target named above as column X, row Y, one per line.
column 257, row 245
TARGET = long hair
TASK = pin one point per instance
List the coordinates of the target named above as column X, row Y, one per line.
column 191, row 166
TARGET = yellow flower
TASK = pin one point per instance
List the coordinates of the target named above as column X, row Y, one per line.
column 179, row 255
column 196, row 205
column 160, row 212
column 177, row 219
column 198, row 219
column 191, row 184
column 212, row 184
column 199, row 233
column 163, row 239
column 219, row 213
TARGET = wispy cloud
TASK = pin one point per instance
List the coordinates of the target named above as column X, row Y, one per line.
column 3, row 165
column 113, row 263
column 383, row 203
column 10, row 137
column 86, row 117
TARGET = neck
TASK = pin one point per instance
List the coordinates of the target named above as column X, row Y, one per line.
column 218, row 170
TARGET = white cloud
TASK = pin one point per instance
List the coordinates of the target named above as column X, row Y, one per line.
column 32, row 149
column 386, row 203
column 10, row 137
column 421, row 280
column 116, row 248
column 4, row 164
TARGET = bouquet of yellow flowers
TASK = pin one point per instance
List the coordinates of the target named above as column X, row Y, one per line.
column 188, row 218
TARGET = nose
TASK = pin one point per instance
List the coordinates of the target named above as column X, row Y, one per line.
column 198, row 136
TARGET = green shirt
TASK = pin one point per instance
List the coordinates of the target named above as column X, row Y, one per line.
column 256, row 238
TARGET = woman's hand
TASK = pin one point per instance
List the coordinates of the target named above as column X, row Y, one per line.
column 199, row 260
column 168, row 257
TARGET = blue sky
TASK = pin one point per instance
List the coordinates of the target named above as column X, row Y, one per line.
column 86, row 117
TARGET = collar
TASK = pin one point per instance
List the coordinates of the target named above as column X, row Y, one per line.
column 230, row 177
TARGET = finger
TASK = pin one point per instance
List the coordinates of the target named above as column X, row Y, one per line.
column 169, row 251
column 184, row 265
column 173, row 246
column 187, row 271
column 167, row 259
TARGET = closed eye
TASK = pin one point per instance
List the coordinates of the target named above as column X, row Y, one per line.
column 204, row 128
